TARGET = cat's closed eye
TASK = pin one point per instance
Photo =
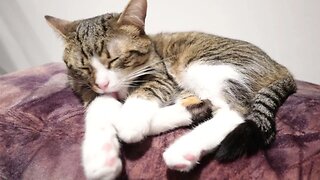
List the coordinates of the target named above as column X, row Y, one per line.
column 85, row 68
column 136, row 52
column 112, row 62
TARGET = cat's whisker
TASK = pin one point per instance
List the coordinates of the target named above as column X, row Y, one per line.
column 131, row 77
column 138, row 75
column 132, row 82
column 140, row 71
column 130, row 86
column 154, row 63
column 137, row 83
column 148, row 68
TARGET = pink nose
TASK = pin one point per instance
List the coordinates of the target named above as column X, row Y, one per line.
column 104, row 85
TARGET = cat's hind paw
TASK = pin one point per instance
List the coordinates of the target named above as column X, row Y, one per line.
column 180, row 159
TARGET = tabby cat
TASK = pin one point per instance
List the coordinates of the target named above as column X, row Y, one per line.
column 135, row 85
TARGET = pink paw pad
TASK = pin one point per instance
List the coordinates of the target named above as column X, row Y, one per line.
column 110, row 162
column 180, row 166
column 190, row 157
column 107, row 147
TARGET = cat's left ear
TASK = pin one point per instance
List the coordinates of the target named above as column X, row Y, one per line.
column 134, row 14
column 63, row 27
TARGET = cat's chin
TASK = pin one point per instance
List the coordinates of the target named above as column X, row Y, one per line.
column 115, row 95
column 119, row 94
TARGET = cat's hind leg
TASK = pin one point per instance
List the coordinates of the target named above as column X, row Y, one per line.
column 208, row 82
column 100, row 148
column 186, row 151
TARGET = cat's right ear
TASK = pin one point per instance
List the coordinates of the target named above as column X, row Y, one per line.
column 134, row 14
column 62, row 27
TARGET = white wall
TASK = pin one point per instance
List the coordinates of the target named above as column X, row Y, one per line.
column 287, row 30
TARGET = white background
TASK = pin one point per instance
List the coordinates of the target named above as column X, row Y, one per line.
column 288, row 30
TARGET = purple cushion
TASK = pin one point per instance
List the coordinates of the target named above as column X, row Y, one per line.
column 41, row 129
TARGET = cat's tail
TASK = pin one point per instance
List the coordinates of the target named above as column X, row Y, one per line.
column 258, row 130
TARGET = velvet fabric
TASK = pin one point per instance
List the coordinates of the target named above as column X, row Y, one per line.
column 41, row 129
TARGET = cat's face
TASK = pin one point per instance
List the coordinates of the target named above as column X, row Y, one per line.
column 106, row 51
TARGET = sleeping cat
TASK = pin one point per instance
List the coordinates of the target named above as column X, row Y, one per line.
column 135, row 85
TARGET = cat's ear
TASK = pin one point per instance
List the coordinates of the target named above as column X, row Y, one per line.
column 62, row 27
column 134, row 14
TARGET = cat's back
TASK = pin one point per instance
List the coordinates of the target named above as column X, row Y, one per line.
column 198, row 45
column 195, row 38
column 184, row 48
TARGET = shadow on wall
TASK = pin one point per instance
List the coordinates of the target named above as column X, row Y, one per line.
column 6, row 64
column 20, row 46
column 2, row 71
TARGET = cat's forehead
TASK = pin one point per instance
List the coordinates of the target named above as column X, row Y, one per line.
column 95, row 27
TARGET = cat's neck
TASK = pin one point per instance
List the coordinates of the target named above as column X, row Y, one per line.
column 161, row 44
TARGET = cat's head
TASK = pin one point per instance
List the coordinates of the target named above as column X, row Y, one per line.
column 109, row 51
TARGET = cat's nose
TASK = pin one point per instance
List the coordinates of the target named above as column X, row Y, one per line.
column 103, row 86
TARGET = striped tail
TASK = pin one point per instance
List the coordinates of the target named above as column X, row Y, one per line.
column 258, row 130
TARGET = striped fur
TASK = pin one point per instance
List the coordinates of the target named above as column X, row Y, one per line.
column 152, row 67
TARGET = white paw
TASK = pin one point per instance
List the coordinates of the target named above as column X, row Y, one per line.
column 131, row 127
column 134, row 121
column 181, row 156
column 131, row 133
column 169, row 117
column 100, row 157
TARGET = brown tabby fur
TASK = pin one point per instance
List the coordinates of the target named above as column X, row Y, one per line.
column 120, row 43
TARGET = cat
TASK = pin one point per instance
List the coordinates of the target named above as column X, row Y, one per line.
column 135, row 85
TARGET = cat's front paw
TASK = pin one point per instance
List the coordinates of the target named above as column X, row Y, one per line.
column 134, row 121
column 101, row 158
column 132, row 134
column 131, row 127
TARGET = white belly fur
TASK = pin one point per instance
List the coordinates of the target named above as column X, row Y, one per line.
column 207, row 81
